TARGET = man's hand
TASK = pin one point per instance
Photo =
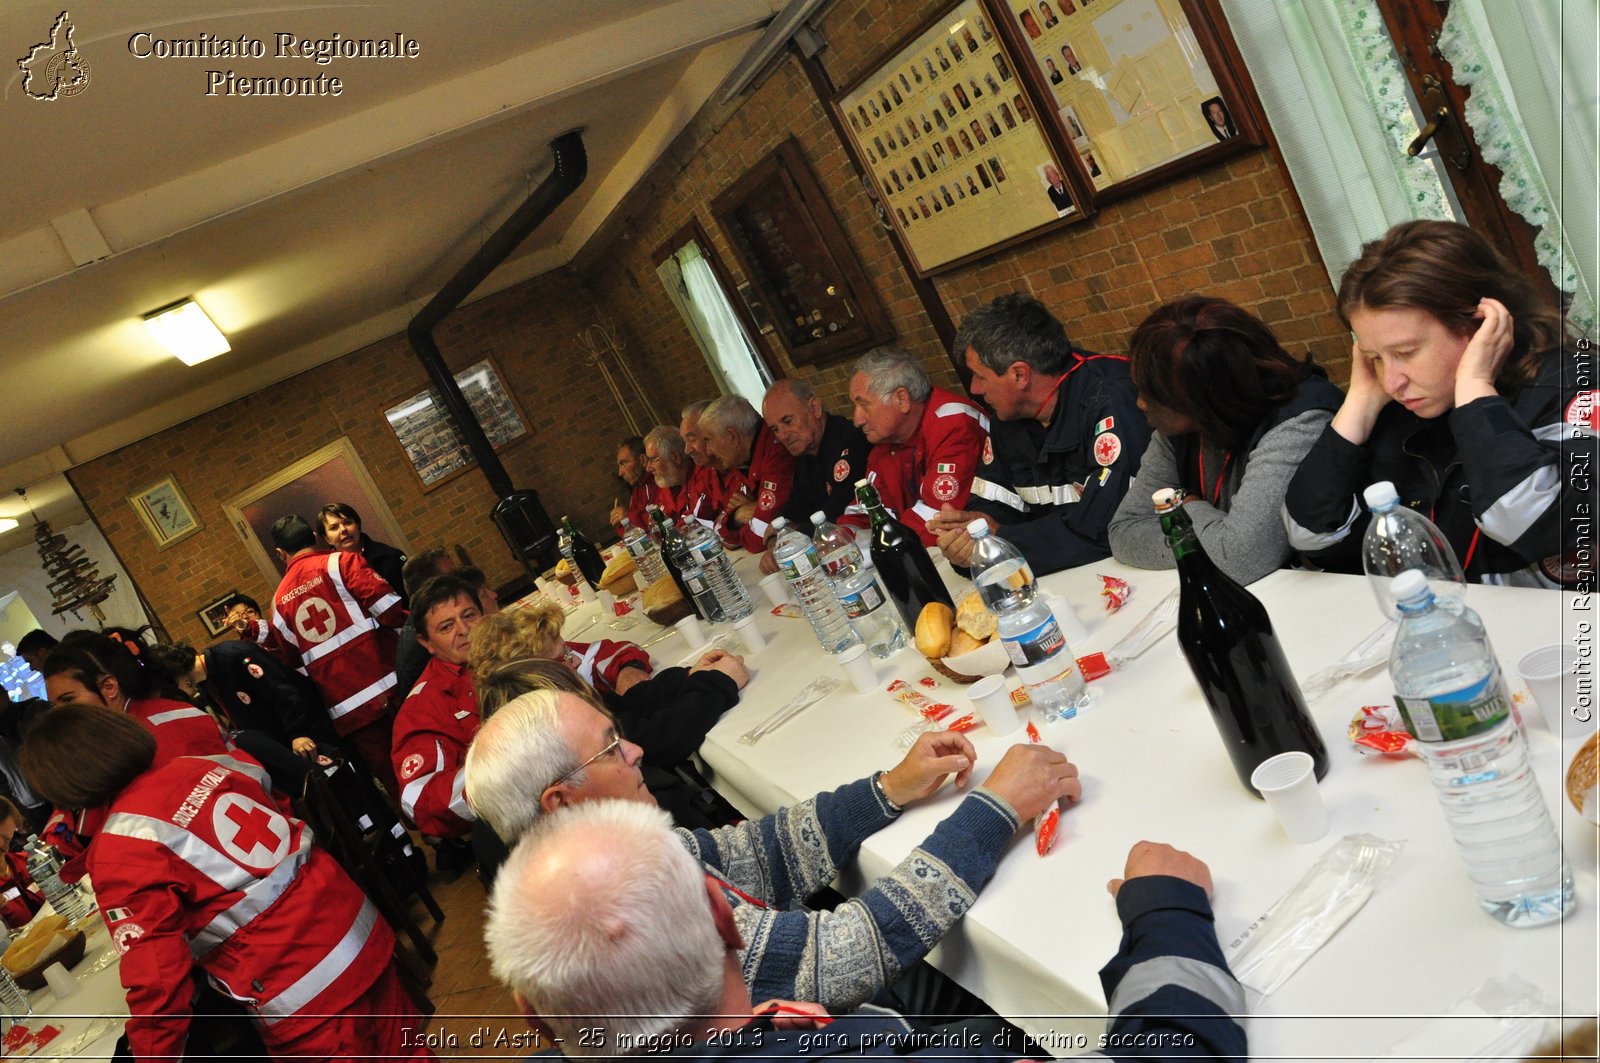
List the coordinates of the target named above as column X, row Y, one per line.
column 1485, row 354
column 617, row 513
column 793, row 1014
column 950, row 526
column 1034, row 777
column 629, row 677
column 304, row 747
column 934, row 755
column 729, row 664
column 1158, row 858
column 768, row 564
column 743, row 513
column 243, row 626
column 1364, row 397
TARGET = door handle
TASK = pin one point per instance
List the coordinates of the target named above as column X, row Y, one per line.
column 1442, row 126
column 1425, row 134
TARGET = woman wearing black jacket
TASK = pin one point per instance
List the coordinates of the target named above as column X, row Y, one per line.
column 1463, row 394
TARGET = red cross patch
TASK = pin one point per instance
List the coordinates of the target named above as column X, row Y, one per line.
column 314, row 620
column 841, row 469
column 1584, row 410
column 768, row 499
column 988, row 451
column 1107, row 448
column 255, row 670
column 251, row 833
column 244, row 699
column 410, row 766
column 125, row 935
column 945, row 486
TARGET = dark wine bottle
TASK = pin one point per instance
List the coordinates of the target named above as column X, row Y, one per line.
column 585, row 556
column 901, row 560
column 658, row 529
column 1227, row 638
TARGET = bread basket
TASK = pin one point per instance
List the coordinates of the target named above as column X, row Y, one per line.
column 1581, row 776
column 67, row 956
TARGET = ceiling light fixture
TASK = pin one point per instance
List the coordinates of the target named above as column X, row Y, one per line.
column 185, row 330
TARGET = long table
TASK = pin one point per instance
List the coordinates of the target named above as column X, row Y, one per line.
column 90, row 1019
column 1153, row 767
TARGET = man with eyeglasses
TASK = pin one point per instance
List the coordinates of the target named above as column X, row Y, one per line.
column 667, row 461
column 545, row 751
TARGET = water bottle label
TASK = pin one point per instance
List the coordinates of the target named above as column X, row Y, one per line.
column 799, row 566
column 696, row 583
column 1039, row 644
column 862, row 602
column 1459, row 714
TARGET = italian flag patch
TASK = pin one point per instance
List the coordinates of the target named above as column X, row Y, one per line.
column 945, row 466
column 1104, row 425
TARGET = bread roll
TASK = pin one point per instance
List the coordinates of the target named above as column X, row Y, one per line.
column 621, row 565
column 973, row 618
column 961, row 642
column 934, row 626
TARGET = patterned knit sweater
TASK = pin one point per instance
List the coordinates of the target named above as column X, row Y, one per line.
column 840, row 959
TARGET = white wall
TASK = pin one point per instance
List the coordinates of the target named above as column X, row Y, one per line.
column 23, row 572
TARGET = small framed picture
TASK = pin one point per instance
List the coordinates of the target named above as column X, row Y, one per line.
column 215, row 615
column 165, row 512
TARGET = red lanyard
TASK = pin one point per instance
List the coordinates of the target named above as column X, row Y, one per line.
column 1472, row 547
column 1216, row 498
column 1055, row 388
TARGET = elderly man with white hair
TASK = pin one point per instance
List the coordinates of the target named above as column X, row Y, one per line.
column 757, row 471
column 927, row 442
column 615, row 941
column 543, row 751
column 667, row 461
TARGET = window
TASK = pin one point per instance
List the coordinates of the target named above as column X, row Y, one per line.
column 694, row 280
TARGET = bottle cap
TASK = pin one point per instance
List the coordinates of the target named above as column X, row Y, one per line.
column 1380, row 494
column 978, row 528
column 818, row 519
column 1167, row 498
column 779, row 523
column 1408, row 585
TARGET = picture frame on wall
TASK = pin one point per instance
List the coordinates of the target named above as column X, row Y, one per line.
column 214, row 614
column 428, row 436
column 1135, row 93
column 165, row 512
column 959, row 162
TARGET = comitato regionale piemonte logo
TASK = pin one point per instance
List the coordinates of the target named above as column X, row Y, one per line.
column 54, row 69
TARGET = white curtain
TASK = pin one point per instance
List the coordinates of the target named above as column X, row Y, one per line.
column 22, row 571
column 1532, row 71
column 716, row 329
column 1339, row 105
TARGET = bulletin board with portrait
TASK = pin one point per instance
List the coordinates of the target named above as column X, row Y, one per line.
column 949, row 136
column 1137, row 92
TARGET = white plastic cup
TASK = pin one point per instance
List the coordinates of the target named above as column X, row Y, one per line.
column 60, row 980
column 992, row 698
column 1549, row 672
column 608, row 603
column 750, row 634
column 1288, row 783
column 1072, row 628
column 857, row 664
column 585, row 592
column 549, row 588
column 694, row 636
column 776, row 588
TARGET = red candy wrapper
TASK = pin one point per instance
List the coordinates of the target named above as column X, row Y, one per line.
column 621, row 607
column 1379, row 729
column 1044, row 828
column 786, row 609
column 1116, row 592
column 904, row 693
column 961, row 726
column 928, row 681
column 1094, row 666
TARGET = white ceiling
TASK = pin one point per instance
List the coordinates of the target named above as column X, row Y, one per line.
column 306, row 226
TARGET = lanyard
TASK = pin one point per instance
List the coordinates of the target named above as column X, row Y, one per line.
column 1062, row 379
column 1472, row 547
column 1216, row 498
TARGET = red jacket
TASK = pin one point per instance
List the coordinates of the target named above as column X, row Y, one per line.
column 643, row 494
column 599, row 663
column 934, row 468
column 432, row 731
column 195, row 865
column 20, row 899
column 334, row 618
column 701, row 495
column 768, row 480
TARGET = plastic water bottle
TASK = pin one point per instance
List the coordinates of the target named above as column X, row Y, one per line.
column 1453, row 698
column 706, row 549
column 1400, row 540
column 797, row 559
column 856, row 586
column 46, row 874
column 1032, row 638
column 645, row 554
column 14, row 1003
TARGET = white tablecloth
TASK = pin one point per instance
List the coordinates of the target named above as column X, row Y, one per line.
column 1153, row 767
column 90, row 1019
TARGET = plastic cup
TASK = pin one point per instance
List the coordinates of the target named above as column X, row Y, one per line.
column 776, row 588
column 60, row 980
column 1288, row 783
column 992, row 698
column 857, row 664
column 585, row 592
column 1072, row 628
column 694, row 636
column 608, row 603
column 1550, row 673
column 548, row 587
column 750, row 634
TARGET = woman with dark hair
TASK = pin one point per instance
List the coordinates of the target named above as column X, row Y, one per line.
column 1462, row 395
column 196, row 866
column 340, row 525
column 1233, row 413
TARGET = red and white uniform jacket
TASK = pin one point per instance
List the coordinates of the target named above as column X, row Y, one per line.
column 701, row 496
column 768, row 481
column 599, row 663
column 934, row 468
column 195, row 865
column 20, row 899
column 644, row 493
column 334, row 618
column 432, row 731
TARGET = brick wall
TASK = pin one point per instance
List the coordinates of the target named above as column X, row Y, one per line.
column 528, row 330
column 1233, row 230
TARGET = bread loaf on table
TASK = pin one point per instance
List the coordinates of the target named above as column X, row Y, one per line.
column 935, row 625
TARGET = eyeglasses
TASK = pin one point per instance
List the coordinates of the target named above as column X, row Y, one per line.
column 610, row 747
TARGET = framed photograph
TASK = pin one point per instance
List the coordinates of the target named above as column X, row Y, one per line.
column 215, row 615
column 959, row 161
column 815, row 293
column 1135, row 92
column 428, row 436
column 165, row 512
